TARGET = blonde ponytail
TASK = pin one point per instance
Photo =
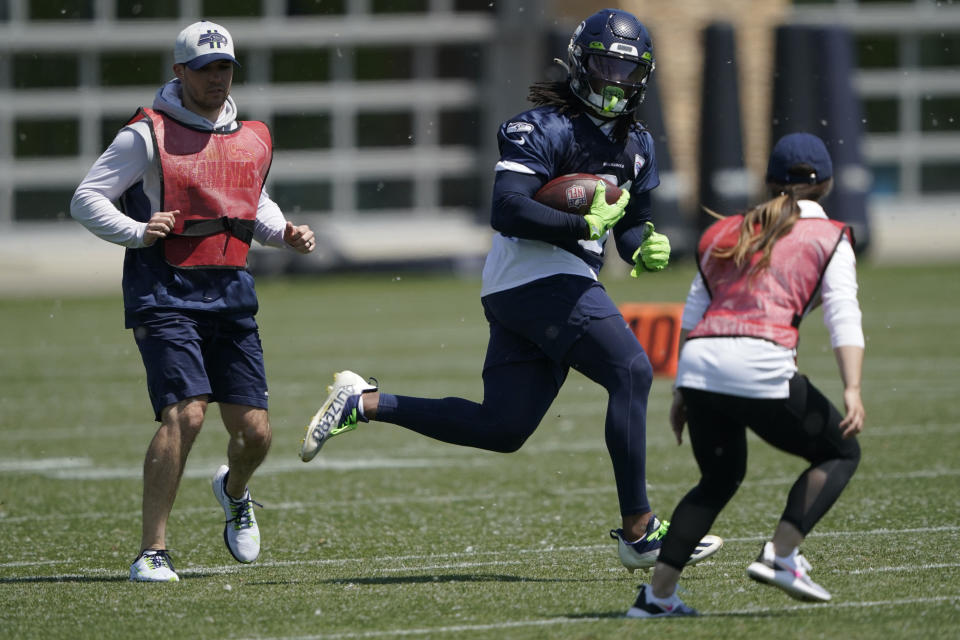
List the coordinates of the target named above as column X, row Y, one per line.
column 760, row 229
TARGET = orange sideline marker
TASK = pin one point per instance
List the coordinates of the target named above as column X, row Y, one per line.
column 657, row 327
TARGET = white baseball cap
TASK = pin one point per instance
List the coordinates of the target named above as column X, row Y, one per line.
column 203, row 42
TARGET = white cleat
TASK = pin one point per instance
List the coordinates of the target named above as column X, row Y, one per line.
column 153, row 565
column 643, row 553
column 338, row 413
column 787, row 574
column 240, row 532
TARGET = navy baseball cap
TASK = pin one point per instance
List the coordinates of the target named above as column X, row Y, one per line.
column 796, row 149
column 203, row 42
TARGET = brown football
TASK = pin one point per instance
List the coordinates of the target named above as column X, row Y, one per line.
column 573, row 192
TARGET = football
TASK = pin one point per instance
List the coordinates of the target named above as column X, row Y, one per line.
column 573, row 192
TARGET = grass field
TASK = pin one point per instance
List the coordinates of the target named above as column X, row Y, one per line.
column 388, row 534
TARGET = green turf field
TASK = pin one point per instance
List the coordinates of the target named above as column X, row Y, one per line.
column 388, row 534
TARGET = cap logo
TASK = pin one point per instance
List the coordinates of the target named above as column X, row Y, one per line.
column 213, row 38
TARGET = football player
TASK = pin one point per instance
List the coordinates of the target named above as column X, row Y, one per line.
column 547, row 310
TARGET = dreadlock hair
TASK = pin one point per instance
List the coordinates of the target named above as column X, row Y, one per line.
column 557, row 93
column 766, row 223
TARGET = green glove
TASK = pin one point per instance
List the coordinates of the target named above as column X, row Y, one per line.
column 653, row 254
column 603, row 216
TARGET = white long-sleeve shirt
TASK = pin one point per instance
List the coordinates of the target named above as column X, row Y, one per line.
column 757, row 368
column 130, row 159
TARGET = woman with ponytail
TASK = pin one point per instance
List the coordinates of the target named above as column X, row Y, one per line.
column 759, row 274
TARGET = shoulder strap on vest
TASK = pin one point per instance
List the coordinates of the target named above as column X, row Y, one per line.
column 843, row 229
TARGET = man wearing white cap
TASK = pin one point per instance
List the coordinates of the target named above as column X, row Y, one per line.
column 189, row 179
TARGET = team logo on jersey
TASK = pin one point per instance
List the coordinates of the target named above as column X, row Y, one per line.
column 638, row 162
column 520, row 128
column 576, row 196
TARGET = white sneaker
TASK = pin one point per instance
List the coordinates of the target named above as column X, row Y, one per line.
column 643, row 553
column 339, row 412
column 787, row 574
column 240, row 533
column 153, row 565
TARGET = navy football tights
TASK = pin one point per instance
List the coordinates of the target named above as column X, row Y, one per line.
column 806, row 424
column 517, row 395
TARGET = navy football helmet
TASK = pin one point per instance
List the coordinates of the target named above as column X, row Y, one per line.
column 610, row 60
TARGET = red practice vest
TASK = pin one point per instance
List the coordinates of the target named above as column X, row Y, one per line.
column 214, row 179
column 766, row 304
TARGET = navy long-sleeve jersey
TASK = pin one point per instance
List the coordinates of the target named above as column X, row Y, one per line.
column 541, row 144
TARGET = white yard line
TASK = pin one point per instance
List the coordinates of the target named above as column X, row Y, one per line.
column 81, row 431
column 373, row 562
column 72, row 466
column 83, row 468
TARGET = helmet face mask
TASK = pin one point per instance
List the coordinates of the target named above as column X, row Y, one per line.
column 610, row 76
column 610, row 58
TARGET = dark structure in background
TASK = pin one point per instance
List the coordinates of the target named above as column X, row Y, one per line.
column 724, row 183
column 667, row 213
column 796, row 72
column 813, row 91
column 842, row 130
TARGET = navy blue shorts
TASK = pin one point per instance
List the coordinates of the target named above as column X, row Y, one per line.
column 189, row 354
column 543, row 318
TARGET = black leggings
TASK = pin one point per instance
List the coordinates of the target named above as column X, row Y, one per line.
column 806, row 424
